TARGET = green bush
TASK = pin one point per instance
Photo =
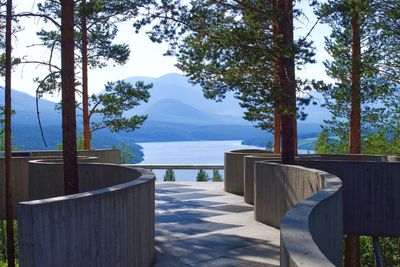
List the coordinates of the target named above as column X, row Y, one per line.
column 202, row 176
column 390, row 249
column 3, row 242
column 217, row 177
column 169, row 175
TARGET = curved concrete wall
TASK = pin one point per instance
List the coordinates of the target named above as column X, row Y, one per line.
column 112, row 226
column 371, row 195
column 277, row 188
column 249, row 174
column 234, row 168
column 20, row 179
column 103, row 155
column 312, row 231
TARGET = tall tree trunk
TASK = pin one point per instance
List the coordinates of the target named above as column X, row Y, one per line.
column 277, row 131
column 85, row 94
column 352, row 251
column 295, row 136
column 68, row 98
column 9, row 176
column 287, row 79
column 277, row 117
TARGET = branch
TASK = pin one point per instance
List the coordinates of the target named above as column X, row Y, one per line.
column 30, row 14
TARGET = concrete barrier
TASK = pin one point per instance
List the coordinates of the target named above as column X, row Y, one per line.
column 371, row 194
column 312, row 230
column 111, row 225
column 277, row 188
column 234, row 168
column 103, row 155
column 20, row 178
column 249, row 174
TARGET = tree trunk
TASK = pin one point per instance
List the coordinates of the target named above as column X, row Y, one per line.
column 295, row 136
column 68, row 98
column 352, row 251
column 287, row 79
column 9, row 176
column 277, row 132
column 85, row 94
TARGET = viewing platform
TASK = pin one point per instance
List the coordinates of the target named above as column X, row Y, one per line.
column 199, row 224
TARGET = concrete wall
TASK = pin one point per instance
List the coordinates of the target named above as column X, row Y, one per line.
column 103, row 155
column 371, row 195
column 20, row 180
column 311, row 231
column 277, row 188
column 112, row 226
column 234, row 169
column 248, row 173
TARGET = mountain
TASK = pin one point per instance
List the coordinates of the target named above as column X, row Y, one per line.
column 175, row 111
column 176, row 86
column 25, row 107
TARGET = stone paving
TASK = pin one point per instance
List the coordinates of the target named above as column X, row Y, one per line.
column 198, row 224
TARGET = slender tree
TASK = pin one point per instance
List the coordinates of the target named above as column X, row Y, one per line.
column 68, row 98
column 358, row 100
column 8, row 169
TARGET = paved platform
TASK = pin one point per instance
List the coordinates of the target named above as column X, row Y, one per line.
column 198, row 224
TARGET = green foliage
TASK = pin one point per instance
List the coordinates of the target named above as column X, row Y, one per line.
column 202, row 176
column 119, row 97
column 3, row 243
column 169, row 175
column 127, row 155
column 390, row 248
column 79, row 143
column 217, row 177
column 379, row 88
column 269, row 147
column 229, row 46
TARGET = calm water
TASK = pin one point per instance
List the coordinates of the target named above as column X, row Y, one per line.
column 188, row 152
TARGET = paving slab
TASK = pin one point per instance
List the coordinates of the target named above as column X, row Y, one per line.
column 198, row 224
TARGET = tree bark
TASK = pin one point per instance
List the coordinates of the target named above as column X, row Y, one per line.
column 8, row 160
column 352, row 243
column 85, row 83
column 277, row 132
column 287, row 79
column 68, row 98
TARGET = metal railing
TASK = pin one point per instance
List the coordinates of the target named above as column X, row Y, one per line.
column 213, row 167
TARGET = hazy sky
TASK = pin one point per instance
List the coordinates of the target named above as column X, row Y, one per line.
column 146, row 57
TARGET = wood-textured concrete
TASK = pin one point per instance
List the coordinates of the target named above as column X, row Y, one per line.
column 234, row 168
column 112, row 226
column 198, row 224
column 20, row 170
column 371, row 195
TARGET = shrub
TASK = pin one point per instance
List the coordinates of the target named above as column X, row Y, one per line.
column 202, row 176
column 169, row 175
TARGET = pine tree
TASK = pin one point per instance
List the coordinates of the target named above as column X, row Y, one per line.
column 169, row 175
column 231, row 46
column 202, row 176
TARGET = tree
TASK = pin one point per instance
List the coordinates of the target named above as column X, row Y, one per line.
column 202, row 176
column 96, row 27
column 169, row 175
column 71, row 182
column 8, row 160
column 119, row 97
column 231, row 46
column 360, row 86
column 217, row 177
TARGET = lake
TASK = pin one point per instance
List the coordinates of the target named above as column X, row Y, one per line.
column 189, row 152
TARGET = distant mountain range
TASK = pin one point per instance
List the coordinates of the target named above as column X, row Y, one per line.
column 177, row 111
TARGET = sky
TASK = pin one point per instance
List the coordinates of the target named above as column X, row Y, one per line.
column 146, row 57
